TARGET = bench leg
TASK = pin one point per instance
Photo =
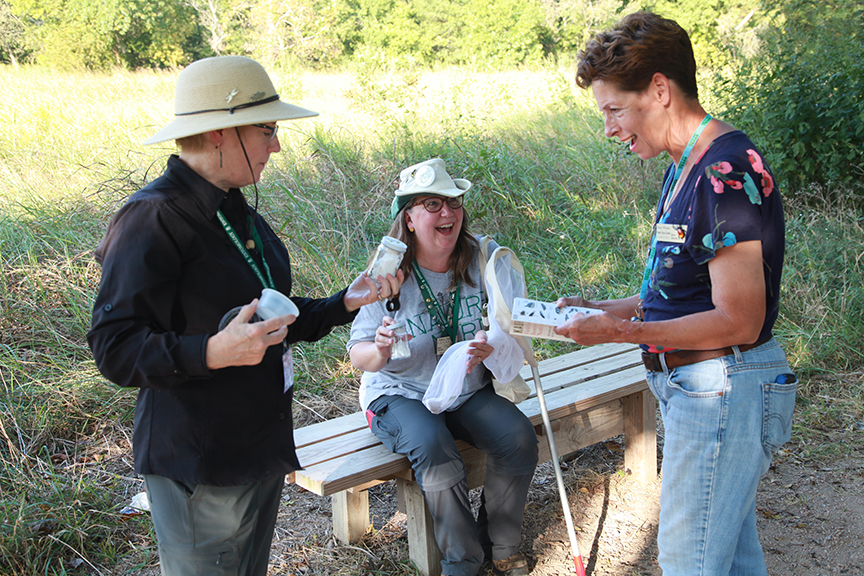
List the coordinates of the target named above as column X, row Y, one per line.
column 422, row 548
column 640, row 436
column 350, row 515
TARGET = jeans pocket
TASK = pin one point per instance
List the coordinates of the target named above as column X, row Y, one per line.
column 705, row 379
column 778, row 405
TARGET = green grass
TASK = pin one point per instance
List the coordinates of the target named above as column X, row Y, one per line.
column 576, row 207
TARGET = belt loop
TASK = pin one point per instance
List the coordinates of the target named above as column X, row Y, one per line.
column 662, row 357
column 739, row 357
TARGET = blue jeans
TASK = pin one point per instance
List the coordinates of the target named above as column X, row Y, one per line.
column 724, row 420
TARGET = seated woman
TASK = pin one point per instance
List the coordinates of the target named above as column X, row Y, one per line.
column 441, row 303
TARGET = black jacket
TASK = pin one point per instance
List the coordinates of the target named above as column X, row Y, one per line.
column 169, row 274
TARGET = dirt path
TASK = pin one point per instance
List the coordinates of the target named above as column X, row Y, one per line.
column 811, row 521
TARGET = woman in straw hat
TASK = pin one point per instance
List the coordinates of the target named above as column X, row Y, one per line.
column 709, row 298
column 213, row 427
column 441, row 304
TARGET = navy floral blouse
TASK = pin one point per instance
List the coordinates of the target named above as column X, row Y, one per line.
column 729, row 196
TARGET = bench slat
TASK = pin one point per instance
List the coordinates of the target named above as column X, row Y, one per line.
column 554, row 372
column 374, row 463
column 578, row 358
column 337, row 446
column 582, row 373
column 321, row 431
column 565, row 401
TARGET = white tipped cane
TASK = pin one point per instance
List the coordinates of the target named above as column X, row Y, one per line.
column 495, row 294
column 562, row 491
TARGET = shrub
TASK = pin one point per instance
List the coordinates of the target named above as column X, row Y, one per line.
column 801, row 98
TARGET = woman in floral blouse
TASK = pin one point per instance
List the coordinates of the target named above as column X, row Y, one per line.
column 708, row 301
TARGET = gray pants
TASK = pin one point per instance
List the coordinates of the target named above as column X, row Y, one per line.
column 494, row 426
column 212, row 530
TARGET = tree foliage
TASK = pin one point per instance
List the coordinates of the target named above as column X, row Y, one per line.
column 802, row 95
column 789, row 72
column 105, row 33
column 12, row 46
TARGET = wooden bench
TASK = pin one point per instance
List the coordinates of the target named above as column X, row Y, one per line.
column 592, row 395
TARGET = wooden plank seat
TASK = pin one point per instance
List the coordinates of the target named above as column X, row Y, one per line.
column 591, row 395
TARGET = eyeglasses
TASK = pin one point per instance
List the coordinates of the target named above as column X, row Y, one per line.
column 273, row 130
column 435, row 204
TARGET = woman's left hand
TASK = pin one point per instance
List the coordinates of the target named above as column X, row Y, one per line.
column 479, row 350
column 365, row 290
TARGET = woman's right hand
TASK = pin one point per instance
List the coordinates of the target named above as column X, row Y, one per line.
column 384, row 337
column 243, row 344
column 372, row 356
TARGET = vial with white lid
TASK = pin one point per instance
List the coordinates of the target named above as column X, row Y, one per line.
column 399, row 348
column 388, row 256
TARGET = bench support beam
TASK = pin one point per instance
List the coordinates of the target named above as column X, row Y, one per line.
column 422, row 547
column 640, row 436
column 350, row 515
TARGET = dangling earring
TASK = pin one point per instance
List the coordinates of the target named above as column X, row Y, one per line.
column 410, row 229
column 220, row 156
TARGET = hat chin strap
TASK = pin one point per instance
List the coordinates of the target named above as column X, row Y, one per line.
column 249, row 164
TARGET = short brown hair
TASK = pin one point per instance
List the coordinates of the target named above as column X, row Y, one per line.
column 194, row 143
column 640, row 45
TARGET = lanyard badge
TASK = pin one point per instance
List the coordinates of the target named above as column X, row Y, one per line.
column 663, row 232
column 267, row 282
column 435, row 310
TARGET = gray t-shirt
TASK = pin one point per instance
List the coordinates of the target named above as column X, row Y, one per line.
column 410, row 377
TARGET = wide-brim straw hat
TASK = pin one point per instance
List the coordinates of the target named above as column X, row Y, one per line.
column 425, row 179
column 223, row 92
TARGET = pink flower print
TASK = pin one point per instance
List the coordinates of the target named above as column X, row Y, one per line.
column 722, row 167
column 755, row 161
column 767, row 184
column 734, row 184
column 717, row 184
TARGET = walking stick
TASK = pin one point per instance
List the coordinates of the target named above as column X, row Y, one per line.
column 562, row 491
column 516, row 287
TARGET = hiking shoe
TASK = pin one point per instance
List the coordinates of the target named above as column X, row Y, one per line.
column 515, row 565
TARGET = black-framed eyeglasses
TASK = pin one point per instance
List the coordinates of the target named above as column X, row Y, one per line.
column 435, row 204
column 272, row 130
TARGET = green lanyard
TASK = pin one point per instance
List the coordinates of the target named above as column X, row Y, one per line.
column 666, row 199
column 266, row 282
column 434, row 307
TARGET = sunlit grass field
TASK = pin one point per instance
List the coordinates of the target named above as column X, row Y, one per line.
column 576, row 208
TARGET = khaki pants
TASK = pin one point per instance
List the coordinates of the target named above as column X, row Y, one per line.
column 212, row 530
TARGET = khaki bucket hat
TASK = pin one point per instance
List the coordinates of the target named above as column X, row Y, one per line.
column 223, row 92
column 426, row 178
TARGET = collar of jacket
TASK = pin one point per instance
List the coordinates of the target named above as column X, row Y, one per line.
column 207, row 196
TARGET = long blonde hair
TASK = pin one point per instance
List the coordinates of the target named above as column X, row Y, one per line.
column 460, row 260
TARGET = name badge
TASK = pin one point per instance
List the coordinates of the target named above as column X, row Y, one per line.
column 287, row 368
column 442, row 344
column 675, row 233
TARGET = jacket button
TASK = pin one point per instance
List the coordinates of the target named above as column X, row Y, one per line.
column 107, row 307
column 281, row 416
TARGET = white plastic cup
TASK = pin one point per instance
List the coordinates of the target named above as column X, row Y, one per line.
column 273, row 303
column 399, row 348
